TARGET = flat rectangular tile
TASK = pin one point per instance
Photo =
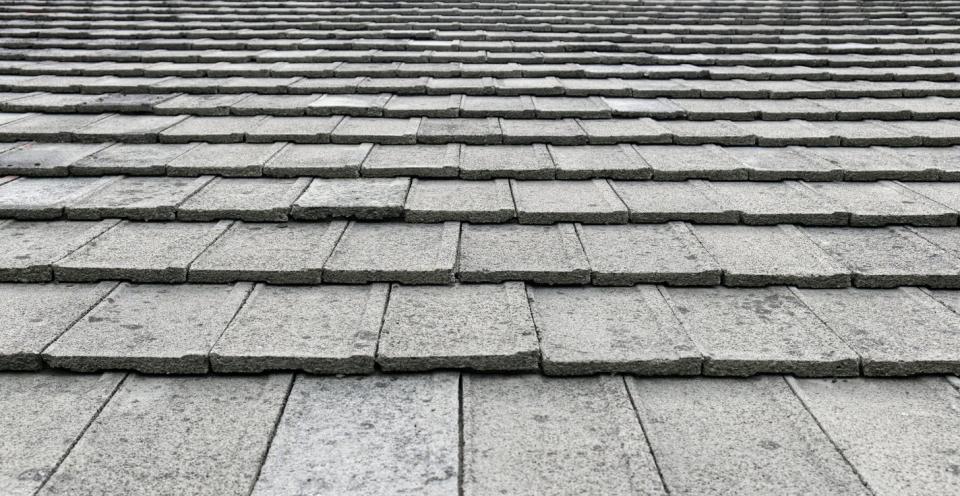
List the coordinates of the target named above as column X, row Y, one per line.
column 29, row 249
column 149, row 328
column 475, row 326
column 130, row 159
column 34, row 315
column 764, row 255
column 279, row 253
column 888, row 257
column 743, row 332
column 675, row 163
column 886, row 202
column 513, row 161
column 601, row 330
column 782, row 202
column 748, row 436
column 210, row 129
column 403, row 431
column 330, row 329
column 508, row 252
column 176, row 435
column 352, row 198
column 317, row 160
column 45, row 159
column 42, row 415
column 654, row 253
column 248, row 199
column 136, row 198
column 415, row 160
column 395, row 252
column 376, row 130
column 900, row 436
column 533, row 434
column 601, row 161
column 440, row 200
column 230, row 160
column 140, row 252
column 664, row 201
column 547, row 202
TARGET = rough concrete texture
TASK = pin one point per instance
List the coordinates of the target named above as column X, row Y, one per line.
column 509, row 252
column 395, row 252
column 547, row 202
column 228, row 160
column 765, row 255
column 479, row 327
column 279, row 253
column 156, row 329
column 416, row 160
column 752, row 436
column 132, row 159
column 375, row 435
column 352, row 198
column 885, row 202
column 140, row 252
column 785, row 202
column 44, row 198
column 664, row 201
column 896, row 332
column 331, row 329
column 176, row 435
column 318, row 160
column 136, row 198
column 600, row 330
column 29, row 249
column 651, row 253
column 42, row 415
column 34, row 315
column 252, row 200
column 675, row 163
column 439, row 200
column 512, row 161
column 538, row 435
column 888, row 257
column 743, row 332
column 606, row 161
column 901, row 436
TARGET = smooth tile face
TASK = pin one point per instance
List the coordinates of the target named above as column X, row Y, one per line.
column 329, row 329
column 599, row 330
column 149, row 328
column 280, row 253
column 405, row 253
column 766, row 255
column 749, row 436
column 650, row 253
column 506, row 252
column 176, row 435
column 373, row 435
column 35, row 315
column 895, row 331
column 29, row 249
column 140, row 252
column 41, row 415
column 900, row 435
column 743, row 332
column 535, row 435
column 477, row 326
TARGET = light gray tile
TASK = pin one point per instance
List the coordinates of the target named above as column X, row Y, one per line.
column 415, row 160
column 317, row 160
column 442, row 200
column 547, row 202
column 886, row 202
column 44, row 198
column 515, row 161
column 136, row 198
column 352, row 198
column 664, row 201
column 602, row 161
column 29, row 249
column 254, row 199
column 509, row 252
column 230, row 160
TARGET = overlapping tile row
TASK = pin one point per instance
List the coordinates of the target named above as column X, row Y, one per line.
column 477, row 162
column 416, row 200
column 475, row 435
column 674, row 253
column 356, row 329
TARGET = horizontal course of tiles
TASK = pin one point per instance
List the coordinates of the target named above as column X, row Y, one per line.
column 475, row 434
column 357, row 329
column 475, row 162
column 674, row 253
column 597, row 201
column 128, row 128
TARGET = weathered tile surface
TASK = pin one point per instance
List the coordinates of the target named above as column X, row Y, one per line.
column 238, row 160
column 149, row 328
column 600, row 330
column 136, row 198
column 395, row 252
column 516, row 161
column 663, row 201
column 317, row 160
column 532, row 434
column 254, row 199
column 176, row 435
column 29, row 249
column 749, row 436
column 415, row 160
column 743, row 332
column 131, row 159
column 547, row 202
column 508, row 252
column 352, row 198
column 45, row 159
column 44, row 198
column 439, row 200
column 475, row 326
column 279, row 253
column 374, row 435
column 329, row 329
column 140, row 252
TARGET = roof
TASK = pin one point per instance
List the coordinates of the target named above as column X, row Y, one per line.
column 448, row 247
